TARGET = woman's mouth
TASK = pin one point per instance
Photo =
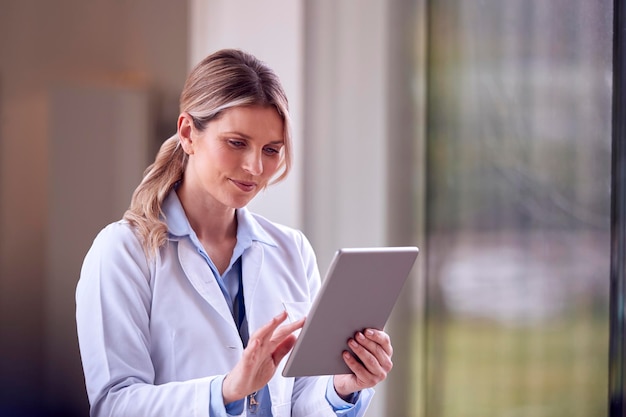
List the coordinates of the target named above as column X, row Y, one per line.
column 244, row 185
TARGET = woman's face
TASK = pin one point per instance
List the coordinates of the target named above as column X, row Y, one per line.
column 235, row 156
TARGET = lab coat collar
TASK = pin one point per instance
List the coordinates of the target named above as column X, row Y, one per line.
column 251, row 228
column 201, row 277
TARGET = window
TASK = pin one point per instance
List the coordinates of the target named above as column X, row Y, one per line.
column 518, row 207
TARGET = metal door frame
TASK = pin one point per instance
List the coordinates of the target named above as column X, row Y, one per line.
column 617, row 346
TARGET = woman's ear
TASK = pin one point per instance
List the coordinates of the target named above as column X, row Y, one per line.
column 185, row 130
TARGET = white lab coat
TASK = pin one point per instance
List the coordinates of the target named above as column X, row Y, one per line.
column 154, row 333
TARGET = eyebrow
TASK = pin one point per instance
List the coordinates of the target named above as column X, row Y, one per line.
column 243, row 135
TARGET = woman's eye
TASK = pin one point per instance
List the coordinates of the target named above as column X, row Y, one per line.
column 236, row 143
column 272, row 151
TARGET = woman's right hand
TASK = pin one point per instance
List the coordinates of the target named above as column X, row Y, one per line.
column 266, row 348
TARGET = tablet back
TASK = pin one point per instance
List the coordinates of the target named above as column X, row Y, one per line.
column 359, row 291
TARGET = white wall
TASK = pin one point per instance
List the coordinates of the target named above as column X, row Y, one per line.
column 346, row 123
column 346, row 130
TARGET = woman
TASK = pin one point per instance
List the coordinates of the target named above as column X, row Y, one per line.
column 180, row 305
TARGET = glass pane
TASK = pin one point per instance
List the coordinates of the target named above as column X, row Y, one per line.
column 518, row 205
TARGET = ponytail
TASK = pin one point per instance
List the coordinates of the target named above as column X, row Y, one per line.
column 145, row 213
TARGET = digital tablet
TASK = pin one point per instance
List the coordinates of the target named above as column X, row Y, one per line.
column 360, row 290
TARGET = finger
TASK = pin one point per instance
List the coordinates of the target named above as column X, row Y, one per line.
column 283, row 348
column 361, row 378
column 381, row 338
column 353, row 363
column 376, row 360
column 365, row 356
column 268, row 329
column 379, row 351
column 286, row 330
column 252, row 352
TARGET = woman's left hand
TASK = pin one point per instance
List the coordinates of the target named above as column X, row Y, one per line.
column 373, row 348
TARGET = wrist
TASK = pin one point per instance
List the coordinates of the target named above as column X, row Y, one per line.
column 229, row 394
column 342, row 392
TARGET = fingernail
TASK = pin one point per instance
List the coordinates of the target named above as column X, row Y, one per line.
column 369, row 332
column 360, row 336
column 353, row 343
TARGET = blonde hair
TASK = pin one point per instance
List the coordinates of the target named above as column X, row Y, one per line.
column 225, row 79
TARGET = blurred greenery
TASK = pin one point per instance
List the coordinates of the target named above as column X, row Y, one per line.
column 552, row 369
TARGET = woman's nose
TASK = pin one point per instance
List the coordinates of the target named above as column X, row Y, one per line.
column 253, row 163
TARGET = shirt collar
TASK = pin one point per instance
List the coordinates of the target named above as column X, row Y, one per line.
column 248, row 229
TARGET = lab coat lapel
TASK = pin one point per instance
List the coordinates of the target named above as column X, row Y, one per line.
column 252, row 263
column 202, row 279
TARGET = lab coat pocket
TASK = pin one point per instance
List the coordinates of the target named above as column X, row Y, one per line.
column 296, row 310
